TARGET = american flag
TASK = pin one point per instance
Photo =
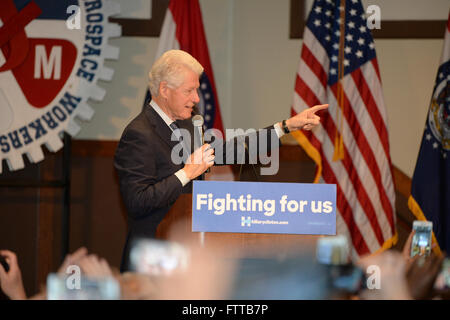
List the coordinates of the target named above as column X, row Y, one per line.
column 338, row 66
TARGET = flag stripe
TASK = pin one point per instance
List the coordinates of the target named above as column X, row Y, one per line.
column 319, row 91
column 374, row 86
column 374, row 63
column 305, row 92
column 372, row 108
column 316, row 48
column 346, row 211
column 341, row 225
column 167, row 39
column 314, row 66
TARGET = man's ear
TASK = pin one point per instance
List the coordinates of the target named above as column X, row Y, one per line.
column 163, row 89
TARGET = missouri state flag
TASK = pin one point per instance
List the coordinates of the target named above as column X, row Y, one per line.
column 183, row 29
column 430, row 190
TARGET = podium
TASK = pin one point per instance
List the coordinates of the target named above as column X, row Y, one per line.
column 178, row 221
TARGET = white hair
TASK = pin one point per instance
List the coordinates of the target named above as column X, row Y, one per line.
column 170, row 68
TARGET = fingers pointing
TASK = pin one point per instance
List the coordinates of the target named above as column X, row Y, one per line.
column 318, row 107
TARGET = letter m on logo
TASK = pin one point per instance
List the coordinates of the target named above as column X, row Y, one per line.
column 246, row 221
column 50, row 65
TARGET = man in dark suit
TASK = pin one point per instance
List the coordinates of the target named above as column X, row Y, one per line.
column 150, row 179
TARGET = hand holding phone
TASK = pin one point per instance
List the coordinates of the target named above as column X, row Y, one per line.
column 421, row 241
column 421, row 275
column 157, row 257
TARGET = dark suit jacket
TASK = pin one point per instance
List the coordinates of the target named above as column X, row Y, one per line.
column 146, row 174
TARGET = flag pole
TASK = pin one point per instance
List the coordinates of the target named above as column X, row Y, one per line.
column 338, row 140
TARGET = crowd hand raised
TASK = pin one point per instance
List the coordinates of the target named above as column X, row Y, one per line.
column 199, row 161
column 421, row 275
column 406, row 252
column 95, row 267
column 393, row 284
column 72, row 259
column 306, row 120
column 11, row 281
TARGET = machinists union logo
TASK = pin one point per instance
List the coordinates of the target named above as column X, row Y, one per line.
column 48, row 71
column 439, row 115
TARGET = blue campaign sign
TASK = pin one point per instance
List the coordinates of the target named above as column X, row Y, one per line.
column 264, row 207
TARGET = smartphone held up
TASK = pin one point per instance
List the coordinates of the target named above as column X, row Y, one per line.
column 421, row 241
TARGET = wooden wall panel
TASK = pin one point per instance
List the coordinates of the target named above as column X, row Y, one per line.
column 27, row 220
column 390, row 29
column 98, row 217
column 18, row 232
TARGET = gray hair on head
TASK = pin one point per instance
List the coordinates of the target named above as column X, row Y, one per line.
column 170, row 67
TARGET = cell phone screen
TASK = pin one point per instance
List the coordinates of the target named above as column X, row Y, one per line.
column 421, row 242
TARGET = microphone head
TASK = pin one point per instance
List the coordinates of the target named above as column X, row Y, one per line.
column 197, row 120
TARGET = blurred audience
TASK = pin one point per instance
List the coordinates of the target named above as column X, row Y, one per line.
column 11, row 280
column 205, row 274
column 393, row 284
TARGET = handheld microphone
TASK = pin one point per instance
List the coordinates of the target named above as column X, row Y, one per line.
column 198, row 121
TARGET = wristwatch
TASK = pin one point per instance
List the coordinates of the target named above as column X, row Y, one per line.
column 285, row 128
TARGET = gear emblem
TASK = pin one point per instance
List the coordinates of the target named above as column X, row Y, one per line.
column 49, row 72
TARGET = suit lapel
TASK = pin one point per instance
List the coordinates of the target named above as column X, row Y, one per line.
column 161, row 129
